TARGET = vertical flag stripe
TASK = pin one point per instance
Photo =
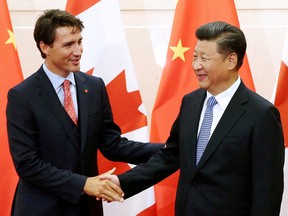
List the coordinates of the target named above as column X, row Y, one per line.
column 281, row 102
column 10, row 75
column 281, row 99
column 282, row 96
column 76, row 7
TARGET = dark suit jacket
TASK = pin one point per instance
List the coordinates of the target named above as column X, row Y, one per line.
column 52, row 156
column 241, row 171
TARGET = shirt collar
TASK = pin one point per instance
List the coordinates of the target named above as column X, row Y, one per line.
column 224, row 98
column 57, row 80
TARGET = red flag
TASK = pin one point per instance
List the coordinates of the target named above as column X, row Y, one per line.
column 10, row 75
column 281, row 99
column 281, row 102
column 106, row 54
column 178, row 77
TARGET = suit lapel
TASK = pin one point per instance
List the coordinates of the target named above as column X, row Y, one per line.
column 83, row 104
column 232, row 114
column 49, row 97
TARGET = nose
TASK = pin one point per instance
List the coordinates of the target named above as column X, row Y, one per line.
column 78, row 49
column 196, row 65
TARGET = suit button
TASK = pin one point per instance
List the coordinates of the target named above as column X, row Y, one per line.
column 82, row 161
column 65, row 196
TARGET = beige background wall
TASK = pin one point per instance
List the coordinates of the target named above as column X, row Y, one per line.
column 147, row 25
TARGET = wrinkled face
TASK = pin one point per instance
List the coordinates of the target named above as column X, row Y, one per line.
column 63, row 56
column 215, row 72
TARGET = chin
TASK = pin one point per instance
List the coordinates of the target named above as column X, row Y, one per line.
column 203, row 86
column 75, row 69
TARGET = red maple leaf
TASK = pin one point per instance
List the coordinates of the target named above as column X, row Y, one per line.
column 126, row 115
column 125, row 105
column 90, row 72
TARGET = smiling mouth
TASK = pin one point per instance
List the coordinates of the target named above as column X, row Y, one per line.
column 75, row 61
column 201, row 76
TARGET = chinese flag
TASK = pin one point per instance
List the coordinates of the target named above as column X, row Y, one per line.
column 178, row 77
column 281, row 102
column 10, row 75
column 106, row 54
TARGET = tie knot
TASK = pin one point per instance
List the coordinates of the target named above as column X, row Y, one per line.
column 66, row 83
column 211, row 102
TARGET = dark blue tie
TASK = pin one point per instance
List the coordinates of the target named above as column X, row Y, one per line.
column 205, row 129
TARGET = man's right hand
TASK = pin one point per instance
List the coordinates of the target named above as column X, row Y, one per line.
column 103, row 188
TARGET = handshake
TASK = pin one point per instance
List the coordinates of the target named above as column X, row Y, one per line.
column 104, row 187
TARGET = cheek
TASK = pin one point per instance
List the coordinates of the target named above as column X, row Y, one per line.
column 67, row 55
column 210, row 71
column 60, row 55
column 214, row 71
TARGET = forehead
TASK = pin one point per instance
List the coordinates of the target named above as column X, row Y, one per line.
column 204, row 46
column 67, row 33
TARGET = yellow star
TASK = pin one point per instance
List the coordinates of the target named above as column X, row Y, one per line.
column 179, row 51
column 11, row 39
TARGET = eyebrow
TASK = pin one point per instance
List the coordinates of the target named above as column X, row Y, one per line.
column 68, row 43
column 72, row 41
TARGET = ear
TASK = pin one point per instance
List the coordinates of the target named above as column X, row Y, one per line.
column 232, row 61
column 44, row 48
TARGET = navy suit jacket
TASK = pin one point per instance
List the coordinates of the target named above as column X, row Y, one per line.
column 241, row 170
column 52, row 156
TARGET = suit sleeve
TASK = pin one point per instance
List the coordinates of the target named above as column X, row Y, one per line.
column 267, row 156
column 117, row 148
column 24, row 147
column 158, row 167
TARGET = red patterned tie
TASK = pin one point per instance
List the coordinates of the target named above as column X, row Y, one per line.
column 68, row 102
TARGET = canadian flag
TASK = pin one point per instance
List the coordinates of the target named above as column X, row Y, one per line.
column 106, row 55
column 10, row 75
column 281, row 102
column 178, row 77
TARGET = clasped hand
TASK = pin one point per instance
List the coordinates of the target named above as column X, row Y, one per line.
column 104, row 187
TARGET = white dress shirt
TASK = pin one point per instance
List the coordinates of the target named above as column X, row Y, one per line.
column 223, row 100
column 57, row 82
